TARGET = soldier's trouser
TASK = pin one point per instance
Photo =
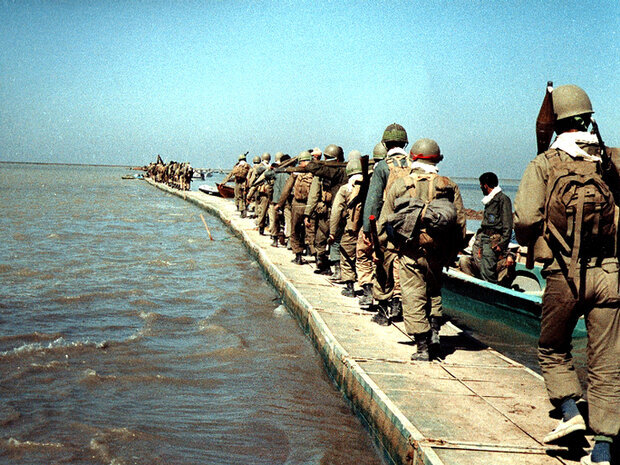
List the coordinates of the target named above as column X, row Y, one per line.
column 322, row 234
column 488, row 260
column 348, row 245
column 600, row 304
column 363, row 260
column 288, row 219
column 311, row 236
column 297, row 226
column 274, row 220
column 240, row 195
column 262, row 204
column 387, row 286
column 420, row 280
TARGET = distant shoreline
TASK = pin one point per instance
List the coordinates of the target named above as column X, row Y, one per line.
column 64, row 164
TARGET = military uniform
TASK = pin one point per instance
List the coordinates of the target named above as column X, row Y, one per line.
column 597, row 299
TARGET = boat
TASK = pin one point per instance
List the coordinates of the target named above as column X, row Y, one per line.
column 225, row 191
column 207, row 189
column 132, row 176
column 519, row 306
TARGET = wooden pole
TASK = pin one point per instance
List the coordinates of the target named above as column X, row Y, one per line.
column 206, row 227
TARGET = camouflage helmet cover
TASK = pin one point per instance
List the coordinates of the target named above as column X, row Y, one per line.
column 395, row 133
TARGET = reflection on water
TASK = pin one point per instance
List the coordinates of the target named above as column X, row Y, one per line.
column 130, row 338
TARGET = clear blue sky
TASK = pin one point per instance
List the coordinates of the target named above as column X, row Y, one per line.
column 117, row 82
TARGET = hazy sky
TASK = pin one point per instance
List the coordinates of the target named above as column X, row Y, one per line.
column 117, row 82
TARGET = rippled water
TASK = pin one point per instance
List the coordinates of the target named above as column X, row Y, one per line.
column 130, row 338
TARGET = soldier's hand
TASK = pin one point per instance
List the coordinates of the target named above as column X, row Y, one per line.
column 331, row 239
column 367, row 241
column 306, row 222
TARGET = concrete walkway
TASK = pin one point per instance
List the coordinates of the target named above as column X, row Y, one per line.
column 475, row 406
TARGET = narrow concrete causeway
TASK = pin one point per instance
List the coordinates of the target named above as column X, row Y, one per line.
column 473, row 407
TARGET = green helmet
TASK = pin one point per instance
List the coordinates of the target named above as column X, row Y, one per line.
column 570, row 100
column 355, row 155
column 426, row 149
column 395, row 133
column 333, row 151
column 354, row 166
column 256, row 159
column 278, row 156
column 379, row 152
column 266, row 156
column 304, row 156
column 242, row 157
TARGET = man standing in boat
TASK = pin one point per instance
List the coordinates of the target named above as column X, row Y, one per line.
column 493, row 237
column 575, row 237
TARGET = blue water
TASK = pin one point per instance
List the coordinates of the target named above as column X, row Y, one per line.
column 130, row 338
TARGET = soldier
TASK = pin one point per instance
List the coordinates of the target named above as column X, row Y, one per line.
column 250, row 192
column 494, row 234
column 240, row 173
column 426, row 247
column 576, row 243
column 327, row 180
column 386, row 285
column 363, row 259
column 263, row 194
column 276, row 218
column 299, row 185
column 351, row 215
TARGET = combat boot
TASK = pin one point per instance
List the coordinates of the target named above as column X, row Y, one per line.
column 274, row 241
column 348, row 290
column 322, row 265
column 299, row 259
column 396, row 309
column 366, row 298
column 243, row 213
column 337, row 276
column 435, row 322
column 421, row 342
column 381, row 317
column 261, row 230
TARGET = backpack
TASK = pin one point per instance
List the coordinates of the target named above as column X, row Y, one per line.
column 425, row 218
column 301, row 189
column 580, row 212
column 396, row 171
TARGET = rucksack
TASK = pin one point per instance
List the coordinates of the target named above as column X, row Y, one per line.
column 396, row 171
column 580, row 212
column 426, row 217
column 302, row 186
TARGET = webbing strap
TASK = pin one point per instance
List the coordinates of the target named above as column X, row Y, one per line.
column 577, row 240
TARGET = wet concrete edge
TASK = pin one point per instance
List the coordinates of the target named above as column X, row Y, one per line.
column 390, row 429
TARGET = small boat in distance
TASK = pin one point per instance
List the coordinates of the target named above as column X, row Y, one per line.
column 132, row 176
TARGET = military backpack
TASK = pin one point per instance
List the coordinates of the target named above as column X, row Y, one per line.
column 580, row 212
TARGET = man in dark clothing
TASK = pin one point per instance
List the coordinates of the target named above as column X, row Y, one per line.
column 493, row 237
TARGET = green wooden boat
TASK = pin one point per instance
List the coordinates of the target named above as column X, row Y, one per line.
column 519, row 306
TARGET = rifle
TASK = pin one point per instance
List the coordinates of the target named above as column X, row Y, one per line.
column 545, row 123
column 282, row 166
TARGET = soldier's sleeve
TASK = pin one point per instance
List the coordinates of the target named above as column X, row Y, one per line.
column 313, row 195
column 530, row 203
column 388, row 207
column 506, row 222
column 374, row 197
column 286, row 190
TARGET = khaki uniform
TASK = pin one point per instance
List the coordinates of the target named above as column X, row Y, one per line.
column 420, row 267
column 597, row 299
column 352, row 217
column 239, row 173
column 298, row 184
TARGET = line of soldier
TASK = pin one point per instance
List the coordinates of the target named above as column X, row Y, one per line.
column 395, row 229
column 174, row 174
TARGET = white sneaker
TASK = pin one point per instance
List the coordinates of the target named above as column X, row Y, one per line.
column 587, row 460
column 565, row 428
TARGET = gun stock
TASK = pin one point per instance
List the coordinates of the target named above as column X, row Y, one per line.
column 545, row 121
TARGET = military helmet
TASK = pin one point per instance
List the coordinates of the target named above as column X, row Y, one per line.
column 426, row 149
column 304, row 156
column 266, row 156
column 256, row 159
column 355, row 155
column 242, row 157
column 278, row 156
column 395, row 133
column 379, row 152
column 354, row 166
column 333, row 151
column 570, row 100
